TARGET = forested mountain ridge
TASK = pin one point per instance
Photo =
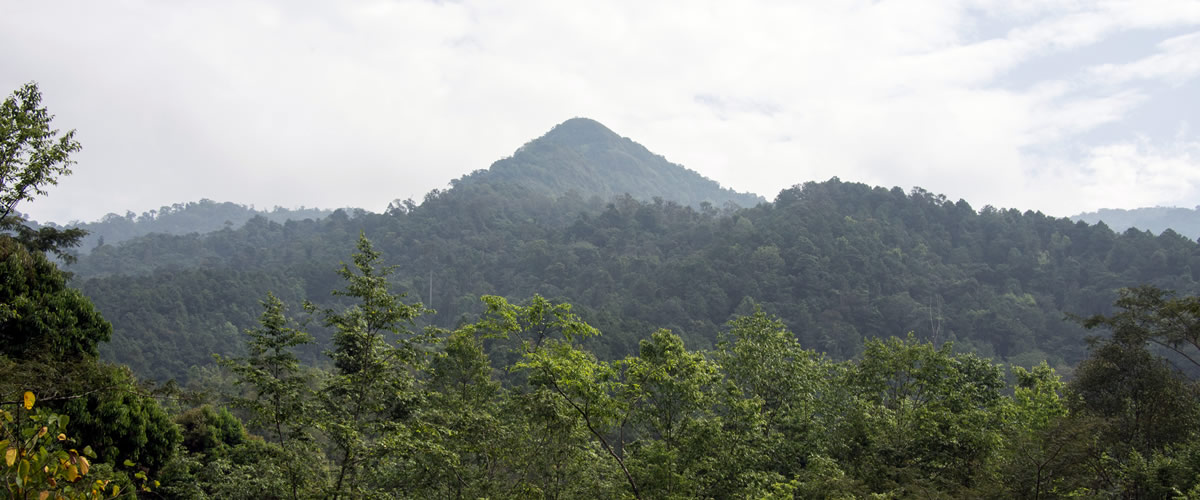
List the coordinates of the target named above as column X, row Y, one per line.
column 1185, row 221
column 202, row 216
column 584, row 156
column 837, row 261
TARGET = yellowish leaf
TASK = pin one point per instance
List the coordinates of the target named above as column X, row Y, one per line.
column 72, row 473
column 62, row 437
column 43, row 495
column 42, row 431
column 116, row 491
column 10, row 456
column 29, row 399
column 83, row 466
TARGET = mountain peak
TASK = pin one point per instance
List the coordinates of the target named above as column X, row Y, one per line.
column 585, row 156
column 581, row 131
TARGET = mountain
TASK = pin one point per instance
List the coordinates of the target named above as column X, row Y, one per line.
column 584, row 156
column 584, row 216
column 1185, row 221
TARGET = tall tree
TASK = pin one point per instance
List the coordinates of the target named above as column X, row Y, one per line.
column 1149, row 315
column 32, row 156
column 281, row 398
column 671, row 394
column 371, row 394
column 1147, row 402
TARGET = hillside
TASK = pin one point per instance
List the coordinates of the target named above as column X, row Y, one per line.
column 583, row 156
column 1185, row 221
column 837, row 262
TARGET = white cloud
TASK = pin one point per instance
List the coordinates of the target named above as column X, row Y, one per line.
column 1131, row 174
column 357, row 103
column 1178, row 60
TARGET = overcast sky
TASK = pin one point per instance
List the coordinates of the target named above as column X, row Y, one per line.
column 1054, row 106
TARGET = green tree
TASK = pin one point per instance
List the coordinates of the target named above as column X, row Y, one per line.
column 372, row 392
column 671, row 395
column 589, row 387
column 1147, row 404
column 40, row 316
column 929, row 420
column 473, row 443
column 765, row 362
column 210, row 431
column 32, row 156
column 281, row 399
column 1046, row 449
column 120, row 419
column 1149, row 315
column 280, row 396
column 563, row 376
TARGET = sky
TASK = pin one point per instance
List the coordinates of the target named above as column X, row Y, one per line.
column 1053, row 106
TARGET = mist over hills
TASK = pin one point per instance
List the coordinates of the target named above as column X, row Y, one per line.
column 1185, row 221
column 836, row 261
column 202, row 216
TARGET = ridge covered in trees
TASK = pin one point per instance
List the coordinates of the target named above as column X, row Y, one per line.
column 838, row 262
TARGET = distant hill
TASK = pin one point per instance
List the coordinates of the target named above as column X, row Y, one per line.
column 1185, row 221
column 584, row 156
column 202, row 216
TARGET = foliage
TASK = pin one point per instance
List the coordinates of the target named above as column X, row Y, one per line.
column 121, row 420
column 39, row 459
column 933, row 419
column 208, row 431
column 40, row 315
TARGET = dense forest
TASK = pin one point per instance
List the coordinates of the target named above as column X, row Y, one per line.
column 838, row 262
column 841, row 341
